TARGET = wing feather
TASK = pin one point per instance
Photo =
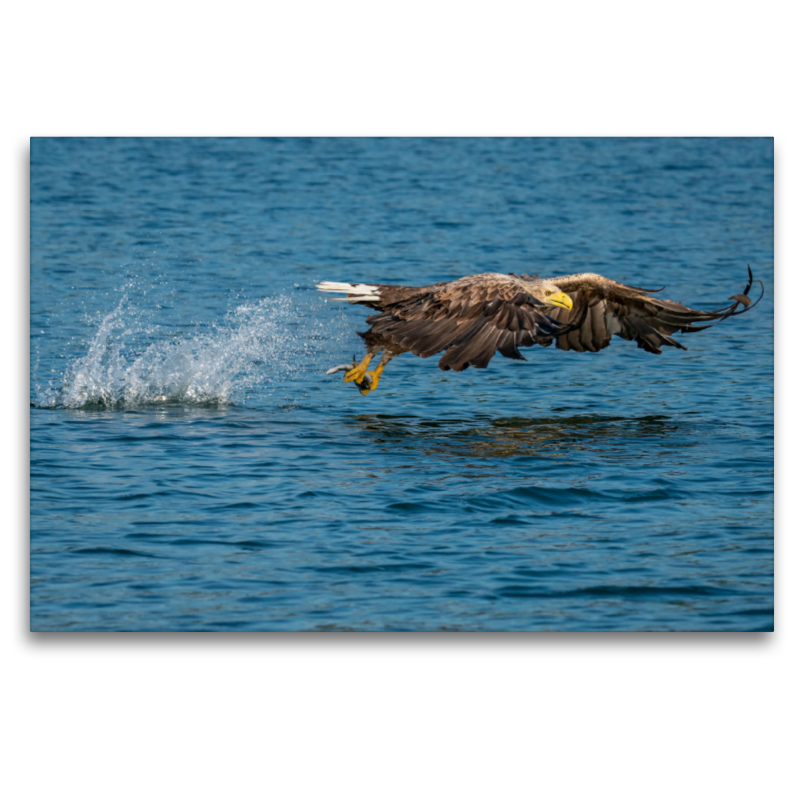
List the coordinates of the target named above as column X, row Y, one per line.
column 470, row 319
column 600, row 336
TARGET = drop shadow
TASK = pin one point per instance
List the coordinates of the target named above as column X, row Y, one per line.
column 370, row 641
column 24, row 427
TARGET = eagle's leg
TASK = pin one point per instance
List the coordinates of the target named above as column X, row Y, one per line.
column 360, row 370
column 376, row 373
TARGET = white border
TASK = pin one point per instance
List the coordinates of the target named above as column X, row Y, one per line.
column 396, row 716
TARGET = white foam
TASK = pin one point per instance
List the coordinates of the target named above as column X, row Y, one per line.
column 131, row 364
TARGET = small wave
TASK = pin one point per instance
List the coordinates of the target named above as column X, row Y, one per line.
column 130, row 363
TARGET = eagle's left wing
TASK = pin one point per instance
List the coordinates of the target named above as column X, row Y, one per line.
column 603, row 308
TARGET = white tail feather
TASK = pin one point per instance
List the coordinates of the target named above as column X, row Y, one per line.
column 356, row 291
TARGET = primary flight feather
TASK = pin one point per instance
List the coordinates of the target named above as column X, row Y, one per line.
column 470, row 319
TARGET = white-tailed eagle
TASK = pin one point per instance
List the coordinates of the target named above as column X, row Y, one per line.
column 472, row 318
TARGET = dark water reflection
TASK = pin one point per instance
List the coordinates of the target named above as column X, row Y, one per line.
column 507, row 437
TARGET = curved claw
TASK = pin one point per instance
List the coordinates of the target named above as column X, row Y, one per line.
column 365, row 386
column 370, row 382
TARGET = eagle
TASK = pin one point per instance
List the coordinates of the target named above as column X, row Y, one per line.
column 470, row 319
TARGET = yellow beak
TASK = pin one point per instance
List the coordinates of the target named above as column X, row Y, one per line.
column 560, row 299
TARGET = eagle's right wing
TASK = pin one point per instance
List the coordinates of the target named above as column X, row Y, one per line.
column 470, row 319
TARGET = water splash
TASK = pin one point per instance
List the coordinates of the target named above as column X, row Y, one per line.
column 256, row 344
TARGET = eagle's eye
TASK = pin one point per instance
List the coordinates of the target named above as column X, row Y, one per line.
column 548, row 293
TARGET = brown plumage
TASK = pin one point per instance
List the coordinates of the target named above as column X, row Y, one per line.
column 472, row 318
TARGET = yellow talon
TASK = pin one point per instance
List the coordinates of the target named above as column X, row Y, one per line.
column 358, row 373
column 374, row 378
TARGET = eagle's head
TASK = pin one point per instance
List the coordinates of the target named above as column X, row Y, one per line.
column 551, row 295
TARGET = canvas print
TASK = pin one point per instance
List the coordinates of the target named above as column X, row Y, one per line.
column 399, row 384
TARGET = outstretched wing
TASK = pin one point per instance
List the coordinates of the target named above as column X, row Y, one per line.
column 470, row 319
column 603, row 308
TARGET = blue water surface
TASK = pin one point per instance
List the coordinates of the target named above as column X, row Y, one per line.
column 194, row 468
